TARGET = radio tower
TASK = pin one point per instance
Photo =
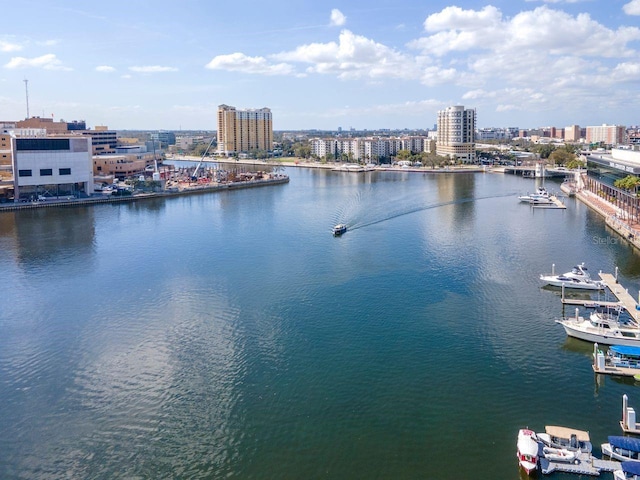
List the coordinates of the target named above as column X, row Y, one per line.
column 26, row 90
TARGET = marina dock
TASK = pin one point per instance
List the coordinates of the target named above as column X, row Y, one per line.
column 556, row 205
column 624, row 297
column 586, row 464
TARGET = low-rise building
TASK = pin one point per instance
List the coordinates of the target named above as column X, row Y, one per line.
column 121, row 165
column 47, row 167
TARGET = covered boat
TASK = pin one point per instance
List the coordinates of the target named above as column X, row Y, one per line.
column 628, row 471
column 527, row 450
column 624, row 356
column 339, row 229
column 622, row 448
column 567, row 438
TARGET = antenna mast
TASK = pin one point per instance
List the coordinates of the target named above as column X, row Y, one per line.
column 26, row 90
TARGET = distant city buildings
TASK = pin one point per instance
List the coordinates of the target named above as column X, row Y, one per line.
column 243, row 131
column 572, row 133
column 456, row 133
column 607, row 134
column 368, row 149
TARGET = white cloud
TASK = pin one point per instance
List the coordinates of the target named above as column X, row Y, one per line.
column 239, row 62
column 105, row 68
column 632, row 8
column 337, row 18
column 354, row 56
column 152, row 69
column 9, row 47
column 47, row 62
column 48, row 43
column 627, row 72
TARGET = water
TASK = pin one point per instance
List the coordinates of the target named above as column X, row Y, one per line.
column 231, row 335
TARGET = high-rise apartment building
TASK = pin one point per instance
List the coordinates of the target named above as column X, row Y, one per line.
column 244, row 130
column 456, row 133
column 572, row 133
column 607, row 134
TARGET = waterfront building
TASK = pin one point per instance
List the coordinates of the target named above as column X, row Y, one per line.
column 241, row 131
column 611, row 135
column 456, row 133
column 51, row 166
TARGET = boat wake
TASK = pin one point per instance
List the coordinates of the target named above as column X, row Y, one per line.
column 356, row 224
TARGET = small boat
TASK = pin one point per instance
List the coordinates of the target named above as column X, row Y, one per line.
column 603, row 328
column 566, row 438
column 578, row 277
column 628, row 471
column 339, row 229
column 559, row 454
column 622, row 448
column 527, row 450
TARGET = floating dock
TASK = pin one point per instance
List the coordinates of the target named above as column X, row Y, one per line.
column 624, row 297
column 599, row 365
column 585, row 464
column 556, row 205
column 628, row 422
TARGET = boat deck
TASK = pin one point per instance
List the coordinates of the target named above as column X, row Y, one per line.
column 620, row 371
column 623, row 296
column 626, row 429
column 586, row 464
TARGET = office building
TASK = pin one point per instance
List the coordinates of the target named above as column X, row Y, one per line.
column 243, row 131
column 46, row 167
column 456, row 133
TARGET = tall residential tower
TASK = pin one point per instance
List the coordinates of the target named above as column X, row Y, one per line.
column 456, row 133
column 244, row 130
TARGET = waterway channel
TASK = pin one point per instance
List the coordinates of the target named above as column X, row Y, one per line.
column 230, row 335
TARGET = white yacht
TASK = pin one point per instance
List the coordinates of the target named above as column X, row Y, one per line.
column 603, row 328
column 540, row 196
column 578, row 277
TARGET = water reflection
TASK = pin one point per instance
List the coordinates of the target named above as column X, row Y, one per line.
column 43, row 235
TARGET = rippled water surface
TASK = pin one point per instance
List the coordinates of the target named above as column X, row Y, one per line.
column 231, row 335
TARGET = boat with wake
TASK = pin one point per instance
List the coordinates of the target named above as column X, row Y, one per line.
column 339, row 229
column 578, row 278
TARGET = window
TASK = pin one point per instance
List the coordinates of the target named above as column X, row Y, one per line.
column 24, row 173
column 65, row 171
column 46, row 172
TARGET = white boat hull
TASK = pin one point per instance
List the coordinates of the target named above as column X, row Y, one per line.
column 554, row 281
column 610, row 452
column 576, row 330
column 527, row 451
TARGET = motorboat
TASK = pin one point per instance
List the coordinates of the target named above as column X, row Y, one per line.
column 628, row 471
column 603, row 328
column 527, row 450
column 578, row 277
column 540, row 195
column 622, row 448
column 562, row 455
column 565, row 438
column 339, row 229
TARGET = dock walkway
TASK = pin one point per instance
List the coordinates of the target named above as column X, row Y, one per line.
column 586, row 464
column 623, row 295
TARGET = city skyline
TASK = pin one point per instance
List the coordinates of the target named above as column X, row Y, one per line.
column 165, row 65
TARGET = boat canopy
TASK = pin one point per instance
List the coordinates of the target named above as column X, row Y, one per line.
column 626, row 443
column 631, row 467
column 564, row 432
column 625, row 350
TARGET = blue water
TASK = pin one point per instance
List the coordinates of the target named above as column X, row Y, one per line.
column 230, row 335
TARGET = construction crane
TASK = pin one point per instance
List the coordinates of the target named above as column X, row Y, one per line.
column 195, row 172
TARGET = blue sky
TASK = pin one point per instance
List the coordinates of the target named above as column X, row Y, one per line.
column 361, row 64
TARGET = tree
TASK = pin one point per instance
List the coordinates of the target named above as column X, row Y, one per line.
column 561, row 156
column 629, row 183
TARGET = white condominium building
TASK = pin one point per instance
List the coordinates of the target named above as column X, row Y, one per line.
column 456, row 129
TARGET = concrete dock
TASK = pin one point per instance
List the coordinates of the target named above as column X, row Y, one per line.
column 624, row 297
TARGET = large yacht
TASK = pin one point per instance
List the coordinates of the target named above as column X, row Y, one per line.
column 603, row 328
column 578, row 277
